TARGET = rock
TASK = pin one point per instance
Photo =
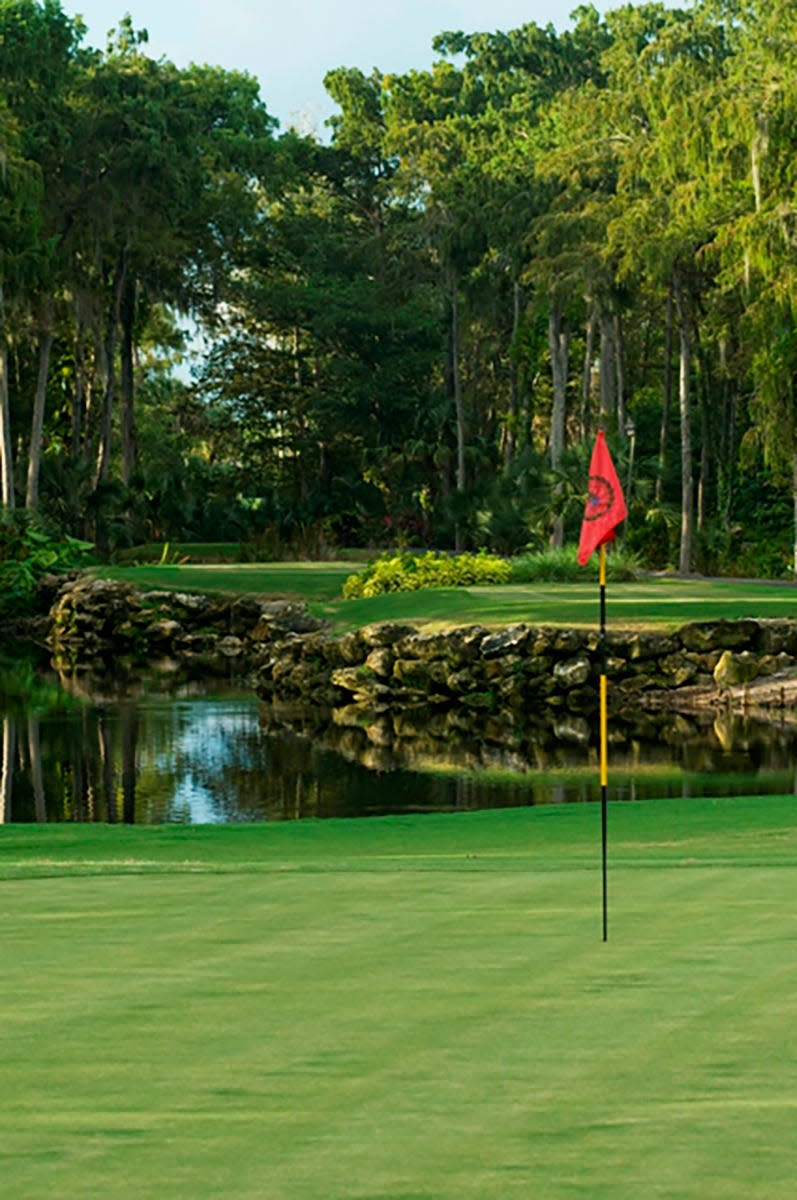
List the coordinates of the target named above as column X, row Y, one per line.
column 420, row 676
column 386, row 634
column 380, row 661
column 513, row 639
column 778, row 637
column 573, row 672
column 678, row 668
column 274, row 618
column 773, row 664
column 651, row 645
column 719, row 635
column 508, row 667
column 357, row 716
column 456, row 645
column 166, row 630
column 537, row 666
column 351, row 648
column 572, row 729
column 353, row 679
column 569, row 640
column 734, row 669
column 461, row 682
column 584, row 699
column 245, row 616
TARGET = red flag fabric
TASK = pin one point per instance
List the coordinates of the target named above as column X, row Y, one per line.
column 605, row 507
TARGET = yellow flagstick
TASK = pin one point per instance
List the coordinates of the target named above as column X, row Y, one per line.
column 604, row 739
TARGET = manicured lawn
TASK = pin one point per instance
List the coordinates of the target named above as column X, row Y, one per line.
column 659, row 601
column 294, row 580
column 404, row 1008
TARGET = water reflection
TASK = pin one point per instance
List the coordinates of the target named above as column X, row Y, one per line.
column 204, row 752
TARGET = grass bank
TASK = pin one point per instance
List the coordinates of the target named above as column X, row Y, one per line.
column 406, row 1007
column 664, row 602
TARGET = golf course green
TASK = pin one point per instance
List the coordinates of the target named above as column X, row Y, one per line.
column 653, row 602
column 407, row 1008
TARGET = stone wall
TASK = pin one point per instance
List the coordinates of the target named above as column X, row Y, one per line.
column 91, row 620
column 392, row 666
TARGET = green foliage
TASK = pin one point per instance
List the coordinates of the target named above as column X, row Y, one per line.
column 560, row 566
column 24, row 688
column 26, row 554
column 410, row 572
column 377, row 309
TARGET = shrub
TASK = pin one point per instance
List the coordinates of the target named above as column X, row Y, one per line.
column 409, row 572
column 561, row 566
column 27, row 553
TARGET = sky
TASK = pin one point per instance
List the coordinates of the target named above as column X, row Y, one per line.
column 290, row 45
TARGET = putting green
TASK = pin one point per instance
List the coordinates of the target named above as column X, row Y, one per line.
column 404, row 1008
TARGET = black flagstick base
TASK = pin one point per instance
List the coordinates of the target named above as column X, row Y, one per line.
column 604, row 840
column 603, row 744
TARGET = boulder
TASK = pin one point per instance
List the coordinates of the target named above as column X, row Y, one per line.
column 572, row 672
column 380, row 661
column 678, row 668
column 719, row 635
column 387, row 633
column 420, row 675
column 506, row 641
column 163, row 632
column 734, row 669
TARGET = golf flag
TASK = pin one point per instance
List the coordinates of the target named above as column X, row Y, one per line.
column 605, row 507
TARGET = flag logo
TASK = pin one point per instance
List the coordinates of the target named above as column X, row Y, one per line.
column 600, row 498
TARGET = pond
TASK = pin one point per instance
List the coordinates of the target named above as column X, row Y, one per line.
column 175, row 749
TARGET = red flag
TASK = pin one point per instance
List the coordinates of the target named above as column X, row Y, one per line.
column 605, row 507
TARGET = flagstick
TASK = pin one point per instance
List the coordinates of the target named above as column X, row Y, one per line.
column 603, row 738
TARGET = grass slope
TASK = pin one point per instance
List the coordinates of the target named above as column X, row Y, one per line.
column 404, row 1009
column 671, row 602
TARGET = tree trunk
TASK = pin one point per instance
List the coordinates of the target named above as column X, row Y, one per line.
column 608, row 372
column 129, row 743
column 459, row 408
column 6, row 450
column 109, row 354
column 684, row 401
column 666, row 398
column 619, row 371
column 105, row 747
column 510, row 428
column 727, row 442
column 794, row 501
column 36, row 773
column 704, row 475
column 7, row 767
column 78, row 415
column 456, row 377
column 586, row 374
column 39, row 399
column 559, row 347
column 127, row 315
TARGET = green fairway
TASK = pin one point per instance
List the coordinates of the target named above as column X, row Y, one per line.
column 412, row 1008
column 295, row 580
column 668, row 601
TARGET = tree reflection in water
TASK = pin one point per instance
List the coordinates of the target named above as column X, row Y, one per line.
column 97, row 751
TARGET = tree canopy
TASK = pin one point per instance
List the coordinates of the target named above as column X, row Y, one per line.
column 411, row 329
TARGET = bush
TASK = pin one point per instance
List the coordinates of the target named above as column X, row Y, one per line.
column 561, row 566
column 409, row 572
column 27, row 553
